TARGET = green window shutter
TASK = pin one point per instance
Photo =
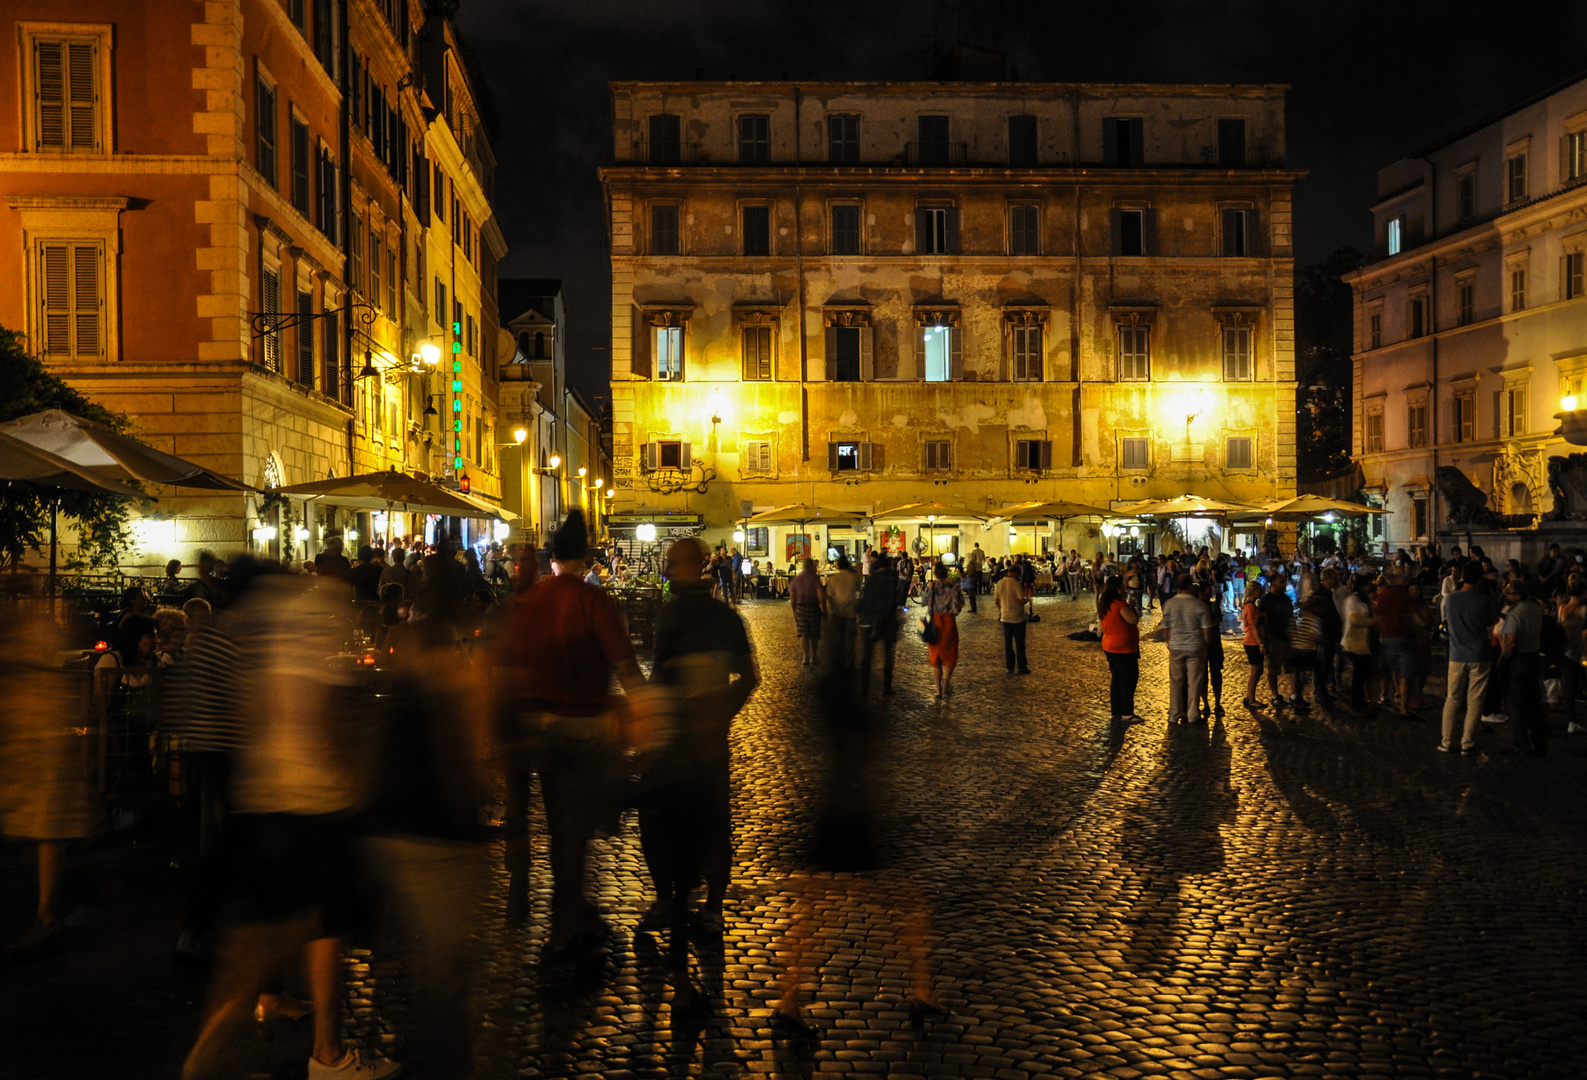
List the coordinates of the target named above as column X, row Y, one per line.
column 87, row 297
column 82, row 102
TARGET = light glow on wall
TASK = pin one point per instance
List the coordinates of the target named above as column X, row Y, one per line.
column 154, row 532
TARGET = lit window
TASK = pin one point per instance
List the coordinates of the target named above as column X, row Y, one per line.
column 1134, row 353
column 669, row 353
column 1396, row 238
column 1237, row 353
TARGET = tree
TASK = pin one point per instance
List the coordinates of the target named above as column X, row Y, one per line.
column 1324, row 334
column 26, row 387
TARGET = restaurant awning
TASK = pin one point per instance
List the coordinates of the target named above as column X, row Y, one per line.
column 395, row 491
column 111, row 456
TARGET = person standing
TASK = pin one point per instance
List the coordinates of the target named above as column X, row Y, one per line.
column 1212, row 686
column 1520, row 649
column 809, row 598
column 843, row 592
column 1359, row 622
column 1573, row 621
column 1331, row 629
column 1469, row 614
column 1190, row 628
column 977, row 564
column 877, row 611
column 1121, row 644
column 942, row 600
column 1009, row 599
column 1396, row 629
column 1277, row 626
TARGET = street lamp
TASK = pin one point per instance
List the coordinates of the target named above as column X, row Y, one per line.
column 519, row 435
column 430, row 352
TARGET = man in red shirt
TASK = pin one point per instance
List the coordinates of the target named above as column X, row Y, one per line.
column 565, row 641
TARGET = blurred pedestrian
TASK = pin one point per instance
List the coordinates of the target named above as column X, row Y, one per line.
column 877, row 612
column 1190, row 627
column 941, row 600
column 1009, row 599
column 1360, row 623
column 1251, row 624
column 809, row 598
column 1276, row 628
column 843, row 592
column 1521, row 645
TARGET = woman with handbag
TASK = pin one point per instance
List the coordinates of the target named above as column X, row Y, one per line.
column 1121, row 644
column 939, row 629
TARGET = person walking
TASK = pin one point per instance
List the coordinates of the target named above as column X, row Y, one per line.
column 877, row 611
column 1121, row 644
column 1330, row 629
column 843, row 591
column 1251, row 624
column 809, row 598
column 1009, row 599
column 1359, row 622
column 1396, row 631
column 1520, row 648
column 942, row 600
column 1190, row 627
column 976, row 564
column 1212, row 685
column 1469, row 615
column 1277, row 626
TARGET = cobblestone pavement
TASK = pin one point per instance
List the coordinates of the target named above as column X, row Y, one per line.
column 1318, row 895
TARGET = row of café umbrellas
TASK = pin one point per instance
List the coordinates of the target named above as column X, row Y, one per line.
column 55, row 451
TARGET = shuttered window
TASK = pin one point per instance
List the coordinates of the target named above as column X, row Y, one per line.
column 1237, row 452
column 1032, row 455
column 355, row 270
column 72, row 294
column 1237, row 353
column 1135, row 352
column 270, row 305
column 327, row 200
column 937, row 455
column 305, row 328
column 300, row 166
column 757, row 353
column 937, row 230
column 758, row 458
column 264, row 122
column 66, row 94
column 1135, row 453
column 332, row 387
column 1027, row 353
column 667, row 344
column 374, row 265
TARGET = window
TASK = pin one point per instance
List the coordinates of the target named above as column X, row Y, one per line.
column 1416, row 425
column 757, row 353
column 668, row 454
column 1022, row 146
column 936, row 230
column 1466, row 196
column 1237, row 354
column 1131, row 233
column 332, row 350
column 300, row 165
column 843, row 140
column 754, row 139
column 1396, row 235
column 755, row 540
column 355, row 261
column 1135, row 453
column 1463, row 420
column 1135, row 353
column 305, row 329
column 72, row 298
column 1032, row 455
column 1515, row 178
column 664, row 230
column 1375, row 330
column 669, row 353
column 849, row 456
column 934, row 145
column 66, row 95
column 1231, row 143
column 936, row 455
column 439, row 197
column 1514, row 411
column 471, row 335
column 1122, row 139
column 325, row 37
column 326, row 205
column 440, row 300
column 1024, row 230
column 941, row 352
column 375, row 258
column 1572, row 275
column 757, row 230
column 264, row 121
column 1419, row 516
column 665, row 143
column 270, row 306
column 758, row 458
column 845, row 238
column 1374, row 431
column 1418, row 316
column 1575, row 156
column 847, row 344
column 1236, row 237
column 1027, row 353
column 1466, row 291
column 1517, row 288
column 391, row 283
column 1237, row 452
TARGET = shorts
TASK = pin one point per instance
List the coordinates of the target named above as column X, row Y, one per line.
column 807, row 622
column 1253, row 656
column 1400, row 658
column 1300, row 660
column 582, row 775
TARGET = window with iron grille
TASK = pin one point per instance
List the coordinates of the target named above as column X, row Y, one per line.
column 937, row 455
column 757, row 230
column 1237, row 452
column 843, row 140
column 1237, row 354
column 1024, row 230
column 664, row 230
column 1027, row 346
column 66, row 94
column 1135, row 453
column 845, row 238
column 71, row 298
column 1135, row 353
column 1231, row 143
column 757, row 345
column 754, row 138
column 1023, row 149
column 666, row 144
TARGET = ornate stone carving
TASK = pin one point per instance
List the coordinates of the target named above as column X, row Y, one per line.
column 1567, row 482
column 1466, row 504
column 1523, row 467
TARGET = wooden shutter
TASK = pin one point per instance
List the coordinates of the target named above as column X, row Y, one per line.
column 56, row 291
column 953, row 230
column 832, row 456
column 955, row 352
column 305, row 332
column 832, row 354
column 920, row 351
column 332, row 385
column 652, row 456
column 270, row 300
column 922, row 230
column 355, row 271
column 1110, row 143
column 49, row 76
column 685, row 457
column 866, row 457
column 1253, row 233
column 1116, row 231
column 66, row 95
column 82, row 102
column 1149, row 231
column 867, row 361
column 1045, row 448
column 765, row 460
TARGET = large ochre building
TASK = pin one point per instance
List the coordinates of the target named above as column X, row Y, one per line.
column 241, row 222
column 863, row 295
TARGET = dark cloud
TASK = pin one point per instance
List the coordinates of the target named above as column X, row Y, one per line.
column 1371, row 81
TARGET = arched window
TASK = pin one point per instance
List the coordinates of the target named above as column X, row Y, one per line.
column 540, row 345
column 523, row 343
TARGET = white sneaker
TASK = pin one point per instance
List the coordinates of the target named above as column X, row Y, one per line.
column 355, row 1065
column 1496, row 718
column 1575, row 729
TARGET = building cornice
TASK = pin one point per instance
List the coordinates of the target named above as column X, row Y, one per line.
column 848, row 175
column 923, row 88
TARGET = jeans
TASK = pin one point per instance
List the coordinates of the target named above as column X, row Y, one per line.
column 1325, row 667
column 1187, row 674
column 1360, row 675
column 1468, row 685
column 975, row 587
column 1014, row 645
column 1524, row 702
column 1126, row 671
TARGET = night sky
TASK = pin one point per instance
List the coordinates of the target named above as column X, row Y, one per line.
column 1370, row 82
